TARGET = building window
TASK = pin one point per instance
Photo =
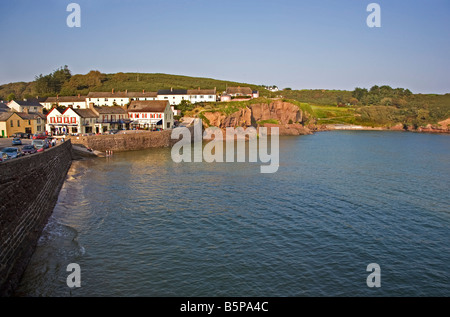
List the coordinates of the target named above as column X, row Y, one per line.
column 166, row 97
column 18, row 123
column 38, row 120
column 29, row 122
column 12, row 124
column 210, row 97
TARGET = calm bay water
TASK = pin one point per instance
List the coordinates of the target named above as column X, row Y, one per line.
column 140, row 225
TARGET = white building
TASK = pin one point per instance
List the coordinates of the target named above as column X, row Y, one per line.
column 151, row 114
column 25, row 106
column 112, row 98
column 173, row 96
column 202, row 95
column 71, row 121
column 76, row 102
column 150, row 95
column 121, row 98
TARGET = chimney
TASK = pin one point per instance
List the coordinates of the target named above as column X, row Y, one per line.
column 143, row 91
column 57, row 96
column 126, row 91
column 78, row 95
column 112, row 91
column 171, row 88
column 25, row 110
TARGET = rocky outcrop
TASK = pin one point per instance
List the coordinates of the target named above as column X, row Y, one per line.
column 288, row 129
column 441, row 127
column 283, row 112
column 288, row 116
column 397, row 127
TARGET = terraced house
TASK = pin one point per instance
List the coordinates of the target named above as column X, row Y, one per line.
column 176, row 96
column 151, row 114
column 71, row 121
column 112, row 98
column 14, row 122
column 110, row 118
column 30, row 106
column 77, row 102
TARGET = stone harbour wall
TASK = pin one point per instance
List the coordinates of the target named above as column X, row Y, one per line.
column 129, row 141
column 29, row 189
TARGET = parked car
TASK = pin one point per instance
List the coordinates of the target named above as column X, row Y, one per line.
column 16, row 141
column 38, row 136
column 10, row 153
column 113, row 131
column 19, row 135
column 29, row 149
column 40, row 144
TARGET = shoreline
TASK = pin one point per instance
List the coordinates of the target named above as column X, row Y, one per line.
column 285, row 130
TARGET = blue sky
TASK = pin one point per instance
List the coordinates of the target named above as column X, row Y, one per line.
column 289, row 43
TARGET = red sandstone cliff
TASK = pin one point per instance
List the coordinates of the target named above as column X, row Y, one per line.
column 288, row 115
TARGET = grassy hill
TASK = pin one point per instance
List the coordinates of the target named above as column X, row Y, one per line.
column 96, row 81
column 375, row 107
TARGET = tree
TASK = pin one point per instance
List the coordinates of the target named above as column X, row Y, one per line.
column 359, row 93
column 353, row 101
column 94, row 78
column 185, row 105
column 52, row 83
column 43, row 84
column 11, row 96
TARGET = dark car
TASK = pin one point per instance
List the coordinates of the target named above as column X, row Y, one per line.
column 10, row 153
column 19, row 135
column 29, row 149
column 16, row 141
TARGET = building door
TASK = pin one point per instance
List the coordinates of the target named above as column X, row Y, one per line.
column 3, row 133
